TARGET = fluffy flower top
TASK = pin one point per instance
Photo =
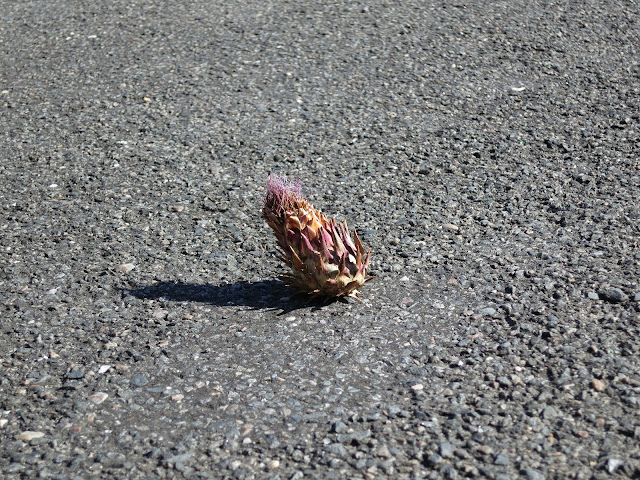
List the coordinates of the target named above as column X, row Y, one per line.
column 282, row 194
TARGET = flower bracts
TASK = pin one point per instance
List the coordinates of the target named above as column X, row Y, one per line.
column 323, row 259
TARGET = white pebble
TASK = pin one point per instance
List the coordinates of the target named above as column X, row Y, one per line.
column 98, row 397
column 125, row 267
column 28, row 435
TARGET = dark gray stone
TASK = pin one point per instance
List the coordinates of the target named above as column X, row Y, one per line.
column 339, row 427
column 613, row 295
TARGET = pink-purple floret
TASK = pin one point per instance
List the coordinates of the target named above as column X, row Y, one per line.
column 281, row 191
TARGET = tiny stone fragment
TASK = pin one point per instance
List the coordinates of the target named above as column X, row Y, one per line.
column 613, row 295
column 383, row 451
column 613, row 464
column 434, row 459
column 98, row 397
column 75, row 374
column 139, row 380
column 598, row 385
column 338, row 449
column 502, row 459
column 339, row 427
column 29, row 435
column 485, row 449
column 125, row 267
column 531, row 474
column 160, row 314
column 446, row 450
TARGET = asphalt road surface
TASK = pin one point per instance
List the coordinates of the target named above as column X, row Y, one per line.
column 487, row 152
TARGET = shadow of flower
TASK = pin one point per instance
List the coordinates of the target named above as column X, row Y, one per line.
column 269, row 294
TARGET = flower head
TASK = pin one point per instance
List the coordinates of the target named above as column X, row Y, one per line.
column 323, row 259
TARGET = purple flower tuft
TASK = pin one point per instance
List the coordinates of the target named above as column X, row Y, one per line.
column 281, row 192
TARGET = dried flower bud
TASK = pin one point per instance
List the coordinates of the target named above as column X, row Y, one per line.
column 323, row 259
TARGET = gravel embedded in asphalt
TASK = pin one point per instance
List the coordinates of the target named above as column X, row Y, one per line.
column 487, row 153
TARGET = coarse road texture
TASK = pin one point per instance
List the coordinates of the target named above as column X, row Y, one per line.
column 487, row 152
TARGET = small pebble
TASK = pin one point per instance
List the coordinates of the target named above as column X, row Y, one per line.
column 485, row 449
column 446, row 450
column 14, row 468
column 98, row 397
column 161, row 313
column 383, row 451
column 29, row 435
column 338, row 427
column 531, row 474
column 613, row 295
column 125, row 267
column 502, row 459
column 613, row 464
column 139, row 380
column 598, row 385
